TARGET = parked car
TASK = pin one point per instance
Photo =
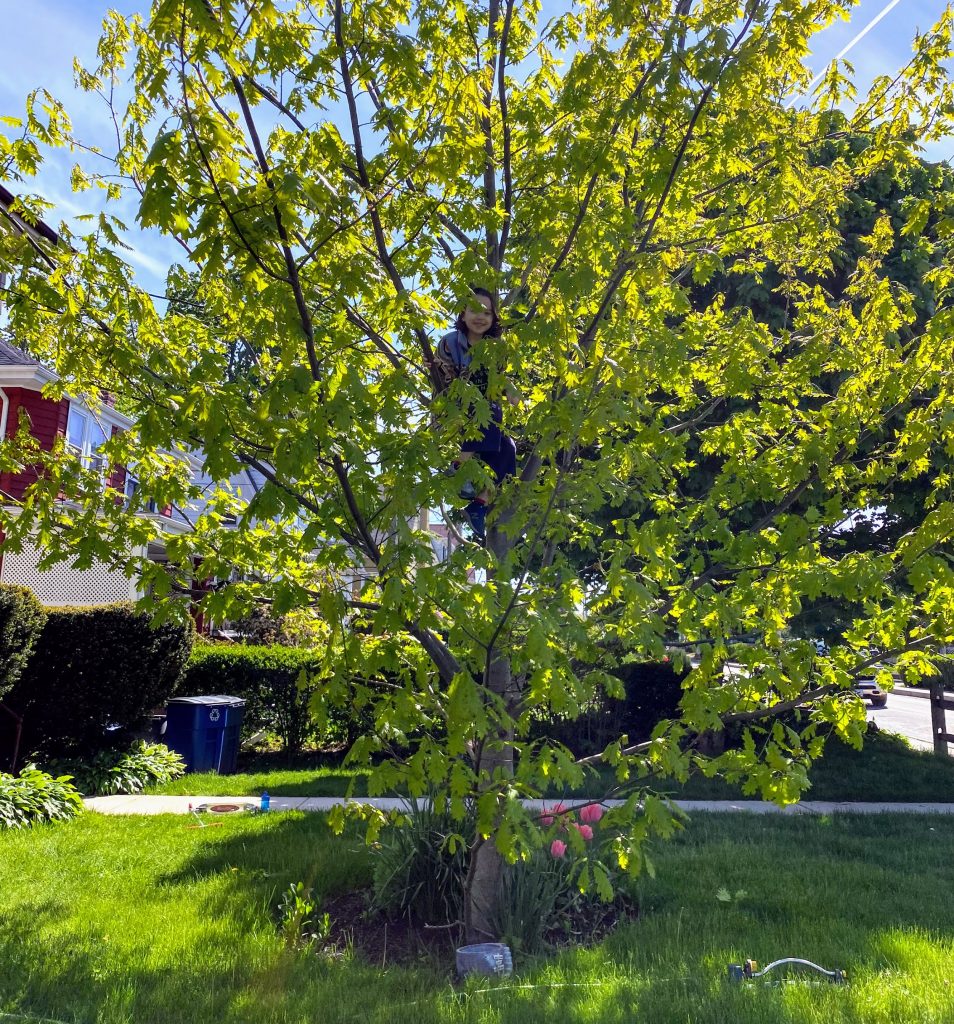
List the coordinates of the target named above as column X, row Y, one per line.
column 867, row 689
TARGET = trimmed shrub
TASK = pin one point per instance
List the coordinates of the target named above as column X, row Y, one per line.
column 653, row 691
column 95, row 676
column 33, row 797
column 21, row 622
column 277, row 684
column 123, row 771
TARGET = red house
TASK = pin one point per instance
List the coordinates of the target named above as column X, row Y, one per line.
column 84, row 429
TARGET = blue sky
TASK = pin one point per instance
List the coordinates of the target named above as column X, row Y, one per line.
column 41, row 37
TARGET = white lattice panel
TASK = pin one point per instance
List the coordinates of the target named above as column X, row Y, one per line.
column 63, row 585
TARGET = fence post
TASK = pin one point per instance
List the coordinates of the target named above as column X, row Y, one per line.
column 939, row 704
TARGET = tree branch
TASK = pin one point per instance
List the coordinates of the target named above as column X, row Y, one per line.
column 294, row 278
column 506, row 156
column 362, row 169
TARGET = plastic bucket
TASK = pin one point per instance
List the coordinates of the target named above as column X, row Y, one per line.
column 484, row 958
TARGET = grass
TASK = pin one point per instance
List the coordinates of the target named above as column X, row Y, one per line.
column 146, row 920
column 885, row 769
column 256, row 778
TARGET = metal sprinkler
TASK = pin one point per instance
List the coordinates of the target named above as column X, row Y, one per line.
column 750, row 970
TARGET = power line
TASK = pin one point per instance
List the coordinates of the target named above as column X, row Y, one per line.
column 886, row 10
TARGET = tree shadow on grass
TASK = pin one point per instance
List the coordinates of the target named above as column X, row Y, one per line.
column 272, row 851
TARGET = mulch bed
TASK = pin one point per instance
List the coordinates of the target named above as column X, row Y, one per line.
column 382, row 940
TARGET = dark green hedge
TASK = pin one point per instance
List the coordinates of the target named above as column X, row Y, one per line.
column 94, row 677
column 653, row 691
column 21, row 622
column 276, row 682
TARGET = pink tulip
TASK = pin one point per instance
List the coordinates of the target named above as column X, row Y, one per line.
column 551, row 813
column 557, row 848
column 591, row 814
column 586, row 832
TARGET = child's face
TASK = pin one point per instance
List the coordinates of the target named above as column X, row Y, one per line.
column 478, row 316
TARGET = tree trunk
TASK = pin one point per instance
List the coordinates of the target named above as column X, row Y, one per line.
column 495, row 763
column 486, row 869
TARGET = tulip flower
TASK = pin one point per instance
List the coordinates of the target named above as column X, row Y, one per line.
column 550, row 813
column 557, row 848
column 591, row 814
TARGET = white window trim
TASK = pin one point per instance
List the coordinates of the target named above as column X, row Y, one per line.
column 88, row 456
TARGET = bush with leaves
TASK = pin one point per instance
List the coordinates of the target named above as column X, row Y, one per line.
column 21, row 622
column 297, row 629
column 95, row 675
column 280, row 688
column 123, row 771
column 33, row 797
column 945, row 673
column 571, row 888
column 648, row 693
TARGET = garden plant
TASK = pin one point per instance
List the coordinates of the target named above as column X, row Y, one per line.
column 110, row 772
column 34, row 797
column 337, row 176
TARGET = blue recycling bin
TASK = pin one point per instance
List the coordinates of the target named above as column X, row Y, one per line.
column 205, row 731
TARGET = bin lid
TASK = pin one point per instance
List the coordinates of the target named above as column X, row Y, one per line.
column 214, row 700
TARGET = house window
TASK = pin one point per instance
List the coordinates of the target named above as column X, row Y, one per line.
column 85, row 438
column 131, row 488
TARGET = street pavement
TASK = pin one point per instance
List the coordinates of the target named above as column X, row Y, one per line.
column 909, row 715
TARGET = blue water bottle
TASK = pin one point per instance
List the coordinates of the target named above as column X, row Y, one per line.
column 266, row 802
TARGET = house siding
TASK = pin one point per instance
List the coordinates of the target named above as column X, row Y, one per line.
column 48, row 419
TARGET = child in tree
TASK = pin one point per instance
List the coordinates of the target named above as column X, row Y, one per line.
column 454, row 358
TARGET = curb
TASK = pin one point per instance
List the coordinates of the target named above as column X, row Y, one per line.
column 151, row 805
column 921, row 694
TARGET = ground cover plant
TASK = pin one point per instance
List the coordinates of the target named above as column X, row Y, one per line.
column 338, row 176
column 33, row 797
column 110, row 772
column 128, row 920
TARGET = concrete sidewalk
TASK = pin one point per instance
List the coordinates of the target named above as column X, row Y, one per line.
column 228, row 804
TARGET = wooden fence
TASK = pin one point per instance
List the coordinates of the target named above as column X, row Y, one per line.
column 940, row 703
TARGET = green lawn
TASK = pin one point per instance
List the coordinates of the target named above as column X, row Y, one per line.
column 252, row 780
column 150, row 921
column 885, row 769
